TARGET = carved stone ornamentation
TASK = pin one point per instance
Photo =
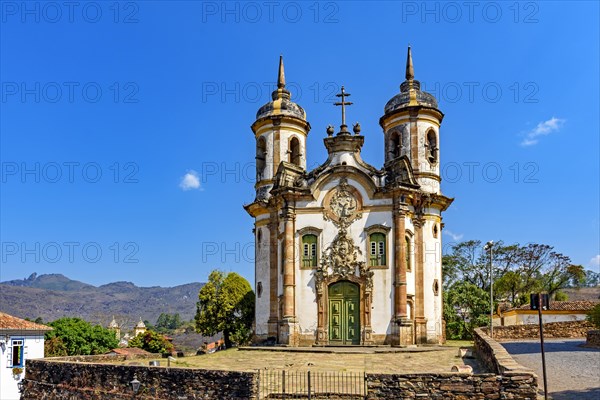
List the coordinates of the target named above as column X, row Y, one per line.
column 340, row 261
column 344, row 206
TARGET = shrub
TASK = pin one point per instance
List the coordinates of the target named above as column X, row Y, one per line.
column 594, row 316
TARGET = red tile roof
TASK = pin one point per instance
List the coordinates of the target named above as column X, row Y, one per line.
column 129, row 351
column 580, row 305
column 10, row 323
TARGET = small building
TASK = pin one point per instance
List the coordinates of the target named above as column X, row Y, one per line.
column 20, row 340
column 560, row 311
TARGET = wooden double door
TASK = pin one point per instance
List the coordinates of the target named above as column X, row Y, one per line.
column 344, row 313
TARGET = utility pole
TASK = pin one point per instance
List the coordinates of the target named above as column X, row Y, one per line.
column 488, row 246
column 539, row 301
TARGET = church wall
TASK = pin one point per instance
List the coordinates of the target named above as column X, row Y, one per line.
column 432, row 271
column 262, row 277
column 306, row 308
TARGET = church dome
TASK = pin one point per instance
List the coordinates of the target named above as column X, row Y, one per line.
column 410, row 92
column 281, row 103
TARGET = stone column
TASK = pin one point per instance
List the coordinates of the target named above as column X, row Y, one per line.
column 420, row 320
column 402, row 324
column 399, row 263
column 273, row 277
column 289, row 333
column 288, row 266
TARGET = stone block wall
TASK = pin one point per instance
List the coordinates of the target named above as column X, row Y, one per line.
column 570, row 329
column 50, row 380
column 452, row 386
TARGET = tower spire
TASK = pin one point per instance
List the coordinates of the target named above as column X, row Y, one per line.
column 281, row 76
column 410, row 71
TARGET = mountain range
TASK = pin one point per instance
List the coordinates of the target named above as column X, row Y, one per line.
column 52, row 296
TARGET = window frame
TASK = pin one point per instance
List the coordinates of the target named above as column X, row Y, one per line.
column 12, row 354
column 316, row 247
column 376, row 246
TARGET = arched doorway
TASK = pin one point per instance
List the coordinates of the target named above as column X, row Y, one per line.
column 344, row 313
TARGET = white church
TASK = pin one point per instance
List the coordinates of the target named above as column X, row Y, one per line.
column 349, row 254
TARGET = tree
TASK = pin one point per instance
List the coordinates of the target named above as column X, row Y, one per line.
column 517, row 272
column 153, row 342
column 466, row 307
column 226, row 304
column 167, row 322
column 79, row 337
column 55, row 347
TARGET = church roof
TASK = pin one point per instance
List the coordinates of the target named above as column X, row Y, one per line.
column 282, row 103
column 410, row 92
column 140, row 324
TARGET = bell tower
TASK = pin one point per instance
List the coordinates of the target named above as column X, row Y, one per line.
column 280, row 130
column 411, row 125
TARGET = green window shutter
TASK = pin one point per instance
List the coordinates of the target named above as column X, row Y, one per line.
column 377, row 246
column 309, row 256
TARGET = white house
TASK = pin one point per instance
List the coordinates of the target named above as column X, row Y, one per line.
column 560, row 311
column 20, row 340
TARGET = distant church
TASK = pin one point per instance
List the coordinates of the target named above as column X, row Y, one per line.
column 348, row 254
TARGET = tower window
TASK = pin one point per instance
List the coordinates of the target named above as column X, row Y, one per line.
column 294, row 151
column 309, row 251
column 261, row 158
column 435, row 231
column 395, row 145
column 377, row 249
column 432, row 149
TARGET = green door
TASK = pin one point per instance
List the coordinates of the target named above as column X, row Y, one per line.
column 344, row 313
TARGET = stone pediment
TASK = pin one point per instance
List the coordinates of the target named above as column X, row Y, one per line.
column 399, row 172
column 289, row 176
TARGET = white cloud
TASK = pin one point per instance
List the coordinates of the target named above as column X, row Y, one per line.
column 542, row 129
column 455, row 236
column 190, row 181
column 595, row 261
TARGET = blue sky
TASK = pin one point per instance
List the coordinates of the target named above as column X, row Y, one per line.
column 106, row 107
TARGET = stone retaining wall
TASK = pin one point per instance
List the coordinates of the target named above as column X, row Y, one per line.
column 569, row 329
column 494, row 356
column 50, row 380
column 452, row 386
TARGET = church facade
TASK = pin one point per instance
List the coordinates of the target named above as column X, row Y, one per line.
column 349, row 254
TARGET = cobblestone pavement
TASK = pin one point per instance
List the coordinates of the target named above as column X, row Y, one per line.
column 573, row 371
